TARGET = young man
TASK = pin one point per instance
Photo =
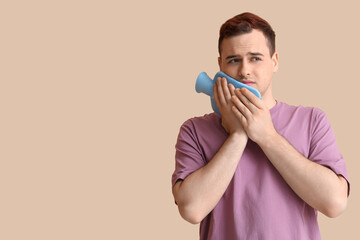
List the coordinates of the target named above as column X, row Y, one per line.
column 264, row 168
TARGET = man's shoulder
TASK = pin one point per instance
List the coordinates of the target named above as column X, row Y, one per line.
column 207, row 119
column 299, row 109
column 286, row 113
column 206, row 125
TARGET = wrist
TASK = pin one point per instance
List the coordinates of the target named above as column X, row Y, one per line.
column 269, row 139
column 239, row 136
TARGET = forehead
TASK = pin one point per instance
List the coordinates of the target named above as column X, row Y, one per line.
column 254, row 41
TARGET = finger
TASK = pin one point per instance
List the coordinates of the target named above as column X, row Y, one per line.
column 249, row 105
column 226, row 90
column 232, row 89
column 220, row 92
column 241, row 106
column 252, row 98
column 216, row 97
column 239, row 116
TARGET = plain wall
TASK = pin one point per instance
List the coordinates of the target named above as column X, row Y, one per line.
column 93, row 94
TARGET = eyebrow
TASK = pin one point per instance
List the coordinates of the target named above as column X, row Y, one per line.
column 249, row 53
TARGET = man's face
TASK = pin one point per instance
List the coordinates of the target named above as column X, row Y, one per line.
column 247, row 59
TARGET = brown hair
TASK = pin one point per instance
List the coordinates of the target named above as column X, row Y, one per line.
column 245, row 23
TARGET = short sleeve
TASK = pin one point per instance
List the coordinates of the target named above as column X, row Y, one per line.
column 323, row 147
column 189, row 156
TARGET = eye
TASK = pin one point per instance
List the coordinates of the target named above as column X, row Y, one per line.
column 234, row 60
column 255, row 59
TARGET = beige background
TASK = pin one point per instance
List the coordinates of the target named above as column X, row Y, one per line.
column 93, row 93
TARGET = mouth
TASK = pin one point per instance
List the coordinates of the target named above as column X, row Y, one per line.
column 248, row 82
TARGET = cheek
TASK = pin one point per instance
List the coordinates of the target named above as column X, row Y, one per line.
column 265, row 72
column 230, row 70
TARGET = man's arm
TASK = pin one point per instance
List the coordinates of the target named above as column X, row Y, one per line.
column 199, row 193
column 317, row 185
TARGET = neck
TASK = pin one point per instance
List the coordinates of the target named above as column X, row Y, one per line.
column 270, row 103
column 268, row 98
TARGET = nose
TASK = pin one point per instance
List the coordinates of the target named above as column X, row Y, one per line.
column 244, row 69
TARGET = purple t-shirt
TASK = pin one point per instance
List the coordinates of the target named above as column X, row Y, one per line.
column 258, row 203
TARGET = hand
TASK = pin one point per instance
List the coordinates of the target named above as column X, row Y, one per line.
column 254, row 116
column 222, row 95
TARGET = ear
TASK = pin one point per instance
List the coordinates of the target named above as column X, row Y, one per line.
column 275, row 61
column 219, row 62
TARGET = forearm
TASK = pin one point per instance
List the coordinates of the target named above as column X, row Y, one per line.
column 317, row 185
column 199, row 193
